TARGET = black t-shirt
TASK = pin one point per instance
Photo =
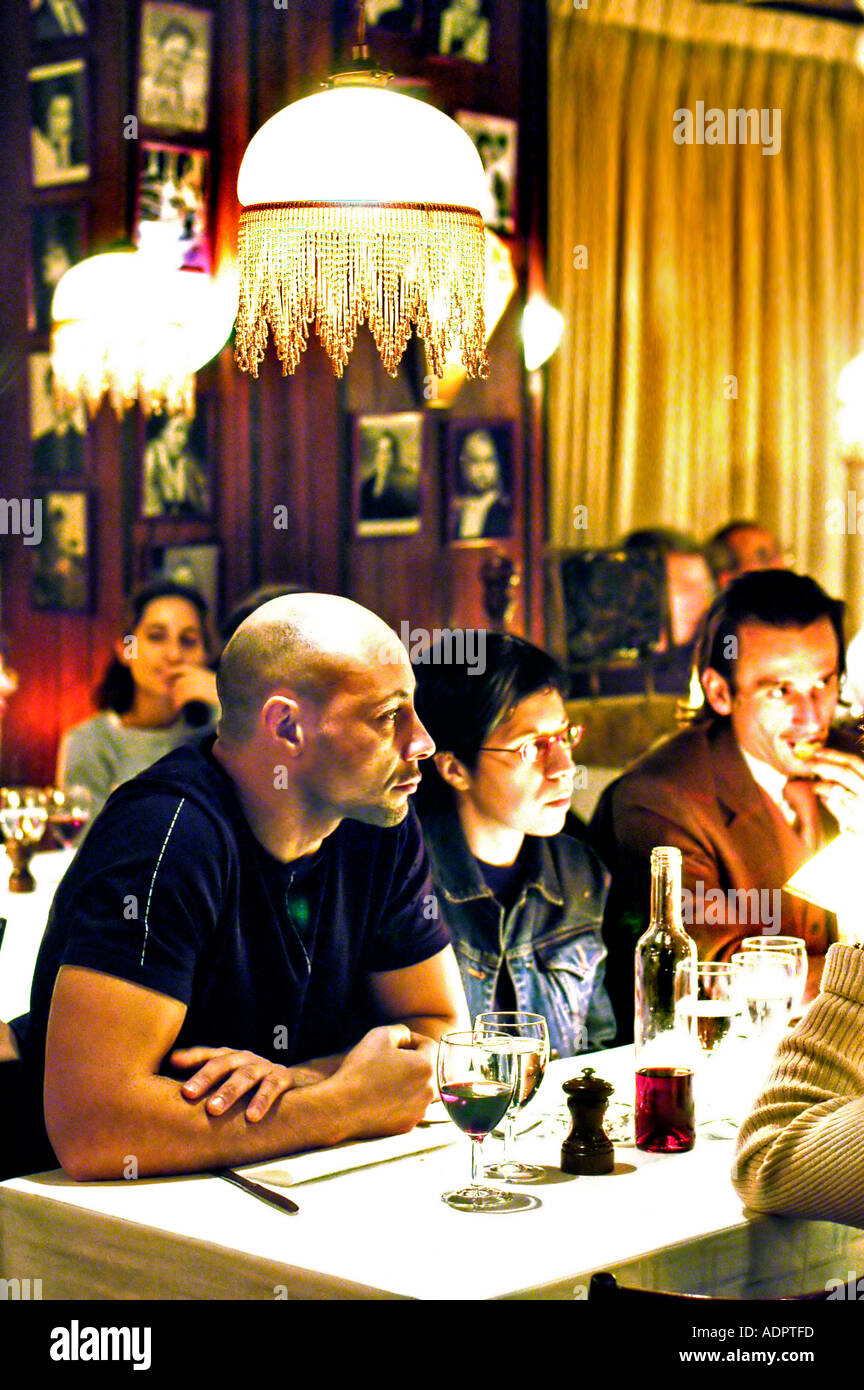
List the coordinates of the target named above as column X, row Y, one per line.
column 171, row 891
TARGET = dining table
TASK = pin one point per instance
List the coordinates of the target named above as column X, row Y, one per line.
column 371, row 1222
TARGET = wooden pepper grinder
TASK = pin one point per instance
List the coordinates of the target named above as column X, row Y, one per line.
column 587, row 1149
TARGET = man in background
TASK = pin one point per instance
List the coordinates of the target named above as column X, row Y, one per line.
column 749, row 792
column 742, row 546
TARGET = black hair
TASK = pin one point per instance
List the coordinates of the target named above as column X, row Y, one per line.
column 775, row 598
column 116, row 690
column 461, row 702
column 176, row 26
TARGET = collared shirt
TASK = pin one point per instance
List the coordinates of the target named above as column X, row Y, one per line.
column 772, row 782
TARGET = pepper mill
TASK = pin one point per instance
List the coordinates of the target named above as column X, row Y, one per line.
column 587, row 1148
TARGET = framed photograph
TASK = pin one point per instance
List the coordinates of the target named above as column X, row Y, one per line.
column 58, row 244
column 58, row 19
column 171, row 205
column 387, row 474
column 62, row 578
column 496, row 139
column 176, row 473
column 198, row 565
column 480, row 478
column 175, row 61
column 57, row 434
column 59, row 137
column 459, row 29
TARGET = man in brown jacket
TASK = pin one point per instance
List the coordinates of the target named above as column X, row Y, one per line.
column 748, row 793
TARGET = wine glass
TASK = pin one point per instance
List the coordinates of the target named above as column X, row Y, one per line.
column 712, row 1000
column 529, row 1038
column 68, row 812
column 476, row 1077
column 796, row 947
column 22, row 821
column 767, row 984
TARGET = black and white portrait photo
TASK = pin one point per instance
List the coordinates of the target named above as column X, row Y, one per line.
column 58, row 133
column 495, row 138
column 61, row 561
column 196, row 565
column 481, row 477
column 388, row 461
column 171, row 214
column 57, row 432
column 174, row 84
column 57, row 19
column 58, row 244
column 462, row 30
column 175, row 479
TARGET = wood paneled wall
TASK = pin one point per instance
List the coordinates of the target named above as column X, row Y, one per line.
column 279, row 441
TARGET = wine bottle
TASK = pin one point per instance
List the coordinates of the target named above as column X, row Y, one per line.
column 664, row 1068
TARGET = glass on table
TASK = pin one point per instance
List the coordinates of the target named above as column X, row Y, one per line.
column 529, row 1036
column 68, row 812
column 476, row 1078
column 23, row 818
column 792, row 945
column 767, row 985
column 708, row 994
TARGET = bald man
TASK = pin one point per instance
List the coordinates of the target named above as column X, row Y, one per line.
column 254, row 910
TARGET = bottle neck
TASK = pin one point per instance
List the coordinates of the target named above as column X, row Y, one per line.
column 666, row 895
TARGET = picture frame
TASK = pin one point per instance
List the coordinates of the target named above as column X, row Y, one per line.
column 387, row 474
column 174, row 66
column 176, row 478
column 58, row 435
column 58, row 241
column 50, row 20
column 62, row 576
column 496, row 140
column 480, row 476
column 458, row 30
column 172, row 204
column 198, row 564
column 59, row 125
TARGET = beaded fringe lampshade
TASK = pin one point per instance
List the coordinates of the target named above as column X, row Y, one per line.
column 130, row 327
column 361, row 205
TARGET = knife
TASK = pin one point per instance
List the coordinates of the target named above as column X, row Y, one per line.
column 273, row 1199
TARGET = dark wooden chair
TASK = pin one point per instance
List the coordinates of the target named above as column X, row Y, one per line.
column 604, row 1288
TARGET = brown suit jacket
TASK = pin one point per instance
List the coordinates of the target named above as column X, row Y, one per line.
column 695, row 791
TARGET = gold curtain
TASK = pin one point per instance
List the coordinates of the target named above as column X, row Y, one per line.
column 712, row 292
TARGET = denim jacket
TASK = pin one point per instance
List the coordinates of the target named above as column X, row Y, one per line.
column 551, row 939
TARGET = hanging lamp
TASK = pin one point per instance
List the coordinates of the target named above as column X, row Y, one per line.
column 129, row 326
column 361, row 204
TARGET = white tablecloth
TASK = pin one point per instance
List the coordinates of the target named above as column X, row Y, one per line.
column 377, row 1231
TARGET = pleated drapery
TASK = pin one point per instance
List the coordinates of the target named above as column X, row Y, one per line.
column 713, row 292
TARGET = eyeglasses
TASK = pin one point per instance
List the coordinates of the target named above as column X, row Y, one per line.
column 536, row 750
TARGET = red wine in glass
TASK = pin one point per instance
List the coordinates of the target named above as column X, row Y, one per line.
column 664, row 1110
column 476, row 1106
column 68, row 827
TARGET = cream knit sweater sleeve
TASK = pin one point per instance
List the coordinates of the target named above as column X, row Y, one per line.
column 801, row 1149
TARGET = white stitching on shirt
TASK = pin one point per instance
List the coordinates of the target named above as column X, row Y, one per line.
column 153, row 880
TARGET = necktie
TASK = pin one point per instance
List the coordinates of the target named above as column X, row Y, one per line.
column 799, row 793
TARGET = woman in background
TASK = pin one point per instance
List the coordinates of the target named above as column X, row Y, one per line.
column 523, row 900
column 155, row 693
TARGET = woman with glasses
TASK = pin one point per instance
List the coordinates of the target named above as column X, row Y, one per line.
column 523, row 900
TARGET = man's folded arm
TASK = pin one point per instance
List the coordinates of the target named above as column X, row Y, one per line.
column 108, row 1112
